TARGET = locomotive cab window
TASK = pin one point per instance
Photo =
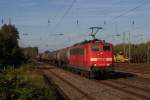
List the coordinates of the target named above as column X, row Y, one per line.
column 77, row 51
column 95, row 48
column 106, row 48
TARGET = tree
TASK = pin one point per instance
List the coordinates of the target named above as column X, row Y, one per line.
column 10, row 53
column 139, row 52
column 30, row 52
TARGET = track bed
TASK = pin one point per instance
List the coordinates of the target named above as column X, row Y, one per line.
column 120, row 87
column 142, row 70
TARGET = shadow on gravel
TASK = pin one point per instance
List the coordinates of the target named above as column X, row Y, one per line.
column 45, row 67
column 115, row 75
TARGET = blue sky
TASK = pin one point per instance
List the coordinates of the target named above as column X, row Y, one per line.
column 31, row 16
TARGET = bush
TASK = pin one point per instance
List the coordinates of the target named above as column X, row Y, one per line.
column 15, row 85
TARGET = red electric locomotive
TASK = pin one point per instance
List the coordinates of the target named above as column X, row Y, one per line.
column 90, row 57
column 93, row 57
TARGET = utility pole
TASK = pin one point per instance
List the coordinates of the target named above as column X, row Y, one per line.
column 9, row 21
column 124, row 48
column 148, row 54
column 130, row 41
column 2, row 21
column 129, row 49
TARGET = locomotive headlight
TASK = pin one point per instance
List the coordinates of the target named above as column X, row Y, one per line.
column 101, row 53
column 94, row 64
column 107, row 64
column 93, row 59
column 108, row 59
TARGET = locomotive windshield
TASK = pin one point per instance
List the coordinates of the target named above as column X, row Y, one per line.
column 95, row 48
column 106, row 48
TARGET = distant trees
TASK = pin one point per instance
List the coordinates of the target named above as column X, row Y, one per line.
column 10, row 53
column 30, row 52
column 139, row 52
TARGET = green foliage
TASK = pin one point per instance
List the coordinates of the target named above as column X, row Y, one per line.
column 10, row 52
column 30, row 52
column 139, row 52
column 15, row 86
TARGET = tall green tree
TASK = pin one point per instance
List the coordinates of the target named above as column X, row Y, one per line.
column 10, row 53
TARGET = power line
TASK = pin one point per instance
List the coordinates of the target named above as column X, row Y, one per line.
column 131, row 10
column 128, row 11
column 62, row 18
column 72, row 4
column 141, row 27
column 64, row 15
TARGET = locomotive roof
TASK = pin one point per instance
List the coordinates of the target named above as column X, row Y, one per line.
column 82, row 43
column 89, row 41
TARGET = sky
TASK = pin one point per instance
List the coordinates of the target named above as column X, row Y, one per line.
column 44, row 20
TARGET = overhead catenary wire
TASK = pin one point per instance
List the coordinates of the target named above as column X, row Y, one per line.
column 126, row 12
column 60, row 20
column 64, row 15
column 131, row 10
column 115, row 18
column 67, row 11
column 141, row 27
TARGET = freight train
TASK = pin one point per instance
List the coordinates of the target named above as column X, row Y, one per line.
column 91, row 58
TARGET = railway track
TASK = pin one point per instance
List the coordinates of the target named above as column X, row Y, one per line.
column 131, row 90
column 84, row 95
column 74, row 87
column 140, row 70
column 120, row 89
column 131, row 86
column 134, row 69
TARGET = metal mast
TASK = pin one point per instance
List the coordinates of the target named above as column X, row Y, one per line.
column 124, row 47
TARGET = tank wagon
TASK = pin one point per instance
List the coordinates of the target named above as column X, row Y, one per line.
column 44, row 57
column 92, row 58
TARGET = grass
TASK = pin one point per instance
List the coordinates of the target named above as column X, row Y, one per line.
column 25, row 83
